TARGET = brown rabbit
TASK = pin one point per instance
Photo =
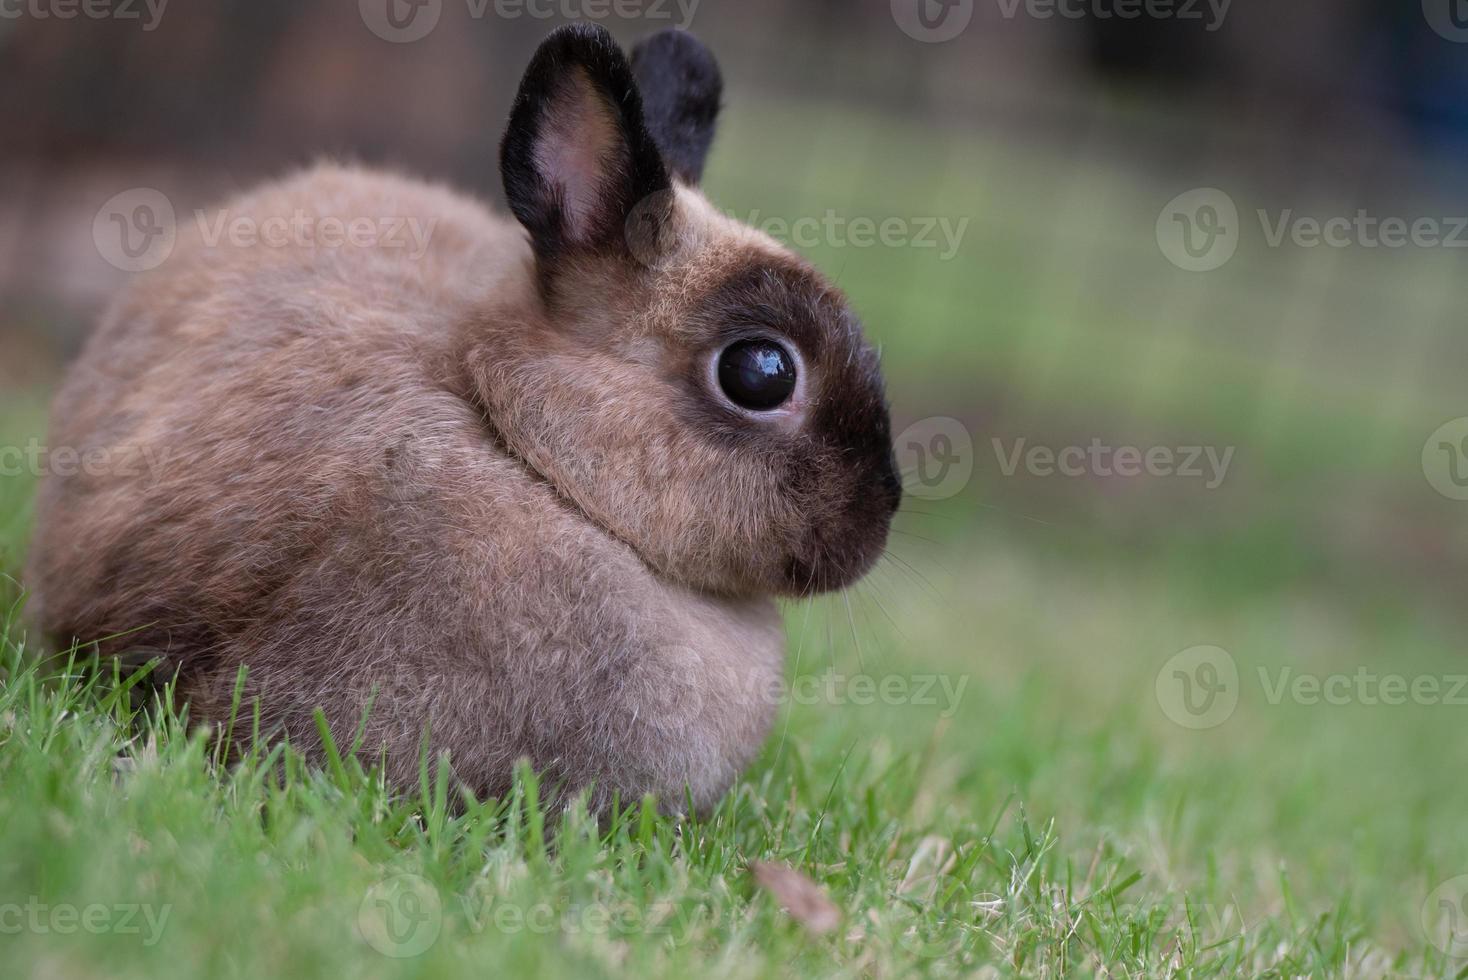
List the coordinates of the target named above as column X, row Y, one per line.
column 531, row 495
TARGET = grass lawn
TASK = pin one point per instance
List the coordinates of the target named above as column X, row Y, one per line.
column 1068, row 730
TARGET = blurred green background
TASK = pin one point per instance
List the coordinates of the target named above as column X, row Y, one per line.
column 1335, row 543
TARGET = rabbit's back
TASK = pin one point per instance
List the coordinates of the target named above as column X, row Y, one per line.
column 242, row 395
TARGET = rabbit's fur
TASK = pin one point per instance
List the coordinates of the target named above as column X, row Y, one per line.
column 490, row 489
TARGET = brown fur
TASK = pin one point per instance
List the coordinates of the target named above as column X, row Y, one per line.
column 508, row 515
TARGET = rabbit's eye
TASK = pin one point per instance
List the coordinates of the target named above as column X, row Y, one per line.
column 758, row 375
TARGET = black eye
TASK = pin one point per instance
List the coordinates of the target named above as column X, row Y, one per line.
column 757, row 374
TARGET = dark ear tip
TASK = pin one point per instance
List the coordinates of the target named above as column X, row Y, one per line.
column 589, row 46
column 675, row 46
column 580, row 33
column 672, row 36
column 588, row 43
column 682, row 90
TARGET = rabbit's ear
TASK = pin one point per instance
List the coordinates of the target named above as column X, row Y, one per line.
column 577, row 156
column 681, row 88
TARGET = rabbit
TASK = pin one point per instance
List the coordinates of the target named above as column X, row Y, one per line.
column 531, row 494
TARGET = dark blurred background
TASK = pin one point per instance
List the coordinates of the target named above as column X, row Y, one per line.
column 209, row 97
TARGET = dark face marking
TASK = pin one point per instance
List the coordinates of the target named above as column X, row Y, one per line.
column 837, row 470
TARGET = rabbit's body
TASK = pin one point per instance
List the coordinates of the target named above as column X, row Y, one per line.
column 367, row 528
column 522, row 498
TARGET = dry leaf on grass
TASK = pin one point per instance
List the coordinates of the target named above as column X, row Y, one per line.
column 805, row 900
